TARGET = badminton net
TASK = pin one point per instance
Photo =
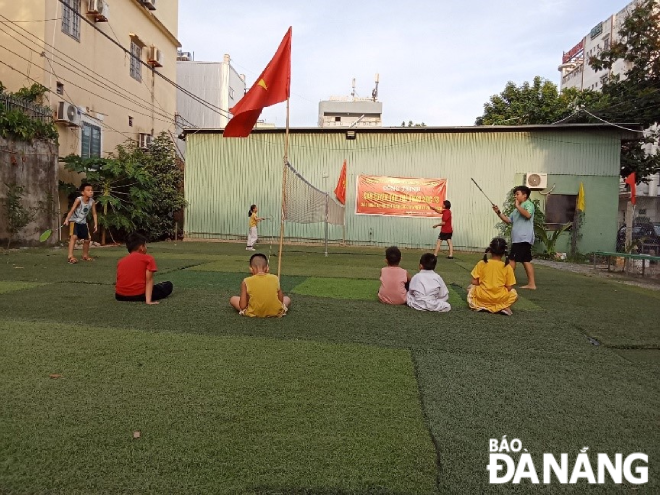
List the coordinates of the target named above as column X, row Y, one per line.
column 308, row 204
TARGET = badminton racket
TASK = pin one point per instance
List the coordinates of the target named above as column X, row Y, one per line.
column 482, row 191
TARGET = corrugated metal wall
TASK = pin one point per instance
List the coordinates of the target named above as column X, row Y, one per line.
column 225, row 176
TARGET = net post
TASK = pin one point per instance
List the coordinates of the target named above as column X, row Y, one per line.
column 284, row 171
column 326, row 223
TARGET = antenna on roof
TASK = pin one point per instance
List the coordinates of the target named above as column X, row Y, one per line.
column 353, row 85
column 374, row 93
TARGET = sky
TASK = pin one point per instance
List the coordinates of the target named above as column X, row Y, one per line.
column 439, row 61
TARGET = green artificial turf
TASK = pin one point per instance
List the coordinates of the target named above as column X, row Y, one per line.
column 6, row 286
column 576, row 365
column 339, row 288
column 215, row 415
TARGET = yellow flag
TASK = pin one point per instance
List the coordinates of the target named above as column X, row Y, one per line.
column 580, row 198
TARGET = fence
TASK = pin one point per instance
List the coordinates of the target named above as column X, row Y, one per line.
column 32, row 110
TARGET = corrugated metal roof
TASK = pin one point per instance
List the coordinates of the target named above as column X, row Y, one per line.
column 631, row 129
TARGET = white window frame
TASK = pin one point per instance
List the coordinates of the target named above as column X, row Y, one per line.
column 92, row 123
column 71, row 18
column 136, row 61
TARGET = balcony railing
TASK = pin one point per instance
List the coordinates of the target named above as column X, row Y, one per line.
column 39, row 112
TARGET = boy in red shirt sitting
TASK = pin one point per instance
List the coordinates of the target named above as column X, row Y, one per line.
column 135, row 274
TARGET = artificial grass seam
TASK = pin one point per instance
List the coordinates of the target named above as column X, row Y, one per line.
column 427, row 422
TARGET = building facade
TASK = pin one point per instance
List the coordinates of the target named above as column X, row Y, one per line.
column 225, row 176
column 217, row 83
column 577, row 73
column 575, row 69
column 350, row 112
column 207, row 91
column 109, row 67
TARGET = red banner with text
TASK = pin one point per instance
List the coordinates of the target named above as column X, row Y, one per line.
column 399, row 196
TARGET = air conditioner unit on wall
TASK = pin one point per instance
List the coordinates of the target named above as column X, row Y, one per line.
column 155, row 57
column 536, row 180
column 99, row 9
column 144, row 140
column 68, row 114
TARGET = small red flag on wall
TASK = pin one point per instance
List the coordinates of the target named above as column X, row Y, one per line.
column 340, row 190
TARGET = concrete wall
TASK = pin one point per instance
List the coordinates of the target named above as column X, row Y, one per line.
column 33, row 166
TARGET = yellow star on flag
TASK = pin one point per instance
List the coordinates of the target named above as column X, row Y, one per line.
column 262, row 83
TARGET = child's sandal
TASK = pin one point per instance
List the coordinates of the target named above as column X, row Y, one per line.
column 72, row 260
column 87, row 258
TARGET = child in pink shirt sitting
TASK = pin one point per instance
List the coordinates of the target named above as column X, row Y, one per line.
column 393, row 279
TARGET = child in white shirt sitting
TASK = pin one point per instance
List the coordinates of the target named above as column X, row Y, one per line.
column 428, row 291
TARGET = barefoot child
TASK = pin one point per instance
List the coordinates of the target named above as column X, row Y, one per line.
column 492, row 281
column 394, row 280
column 261, row 295
column 78, row 215
column 522, row 232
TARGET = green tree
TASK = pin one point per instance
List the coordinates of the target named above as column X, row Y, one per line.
column 538, row 102
column 160, row 162
column 122, row 189
column 635, row 97
column 17, row 124
column 136, row 189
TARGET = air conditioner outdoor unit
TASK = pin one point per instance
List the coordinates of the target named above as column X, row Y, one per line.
column 155, row 57
column 184, row 56
column 99, row 9
column 144, row 140
column 536, row 180
column 68, row 114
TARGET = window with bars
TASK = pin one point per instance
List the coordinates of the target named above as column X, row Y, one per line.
column 71, row 18
column 136, row 59
column 91, row 141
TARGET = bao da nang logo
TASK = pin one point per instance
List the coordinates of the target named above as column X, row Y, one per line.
column 511, row 463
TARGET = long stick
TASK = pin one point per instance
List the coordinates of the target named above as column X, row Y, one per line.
column 284, row 171
column 482, row 191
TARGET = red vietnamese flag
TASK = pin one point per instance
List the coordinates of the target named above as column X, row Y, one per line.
column 340, row 190
column 630, row 180
column 272, row 86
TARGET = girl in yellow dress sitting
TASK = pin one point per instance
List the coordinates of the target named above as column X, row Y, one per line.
column 492, row 281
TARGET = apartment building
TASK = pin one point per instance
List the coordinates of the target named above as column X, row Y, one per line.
column 577, row 73
column 109, row 66
column 575, row 69
column 207, row 90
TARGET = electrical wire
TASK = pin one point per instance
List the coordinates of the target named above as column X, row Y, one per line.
column 609, row 123
column 35, row 20
column 165, row 78
column 126, row 52
column 112, row 90
column 84, row 89
column 85, row 72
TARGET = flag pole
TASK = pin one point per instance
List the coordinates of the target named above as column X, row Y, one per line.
column 284, row 170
